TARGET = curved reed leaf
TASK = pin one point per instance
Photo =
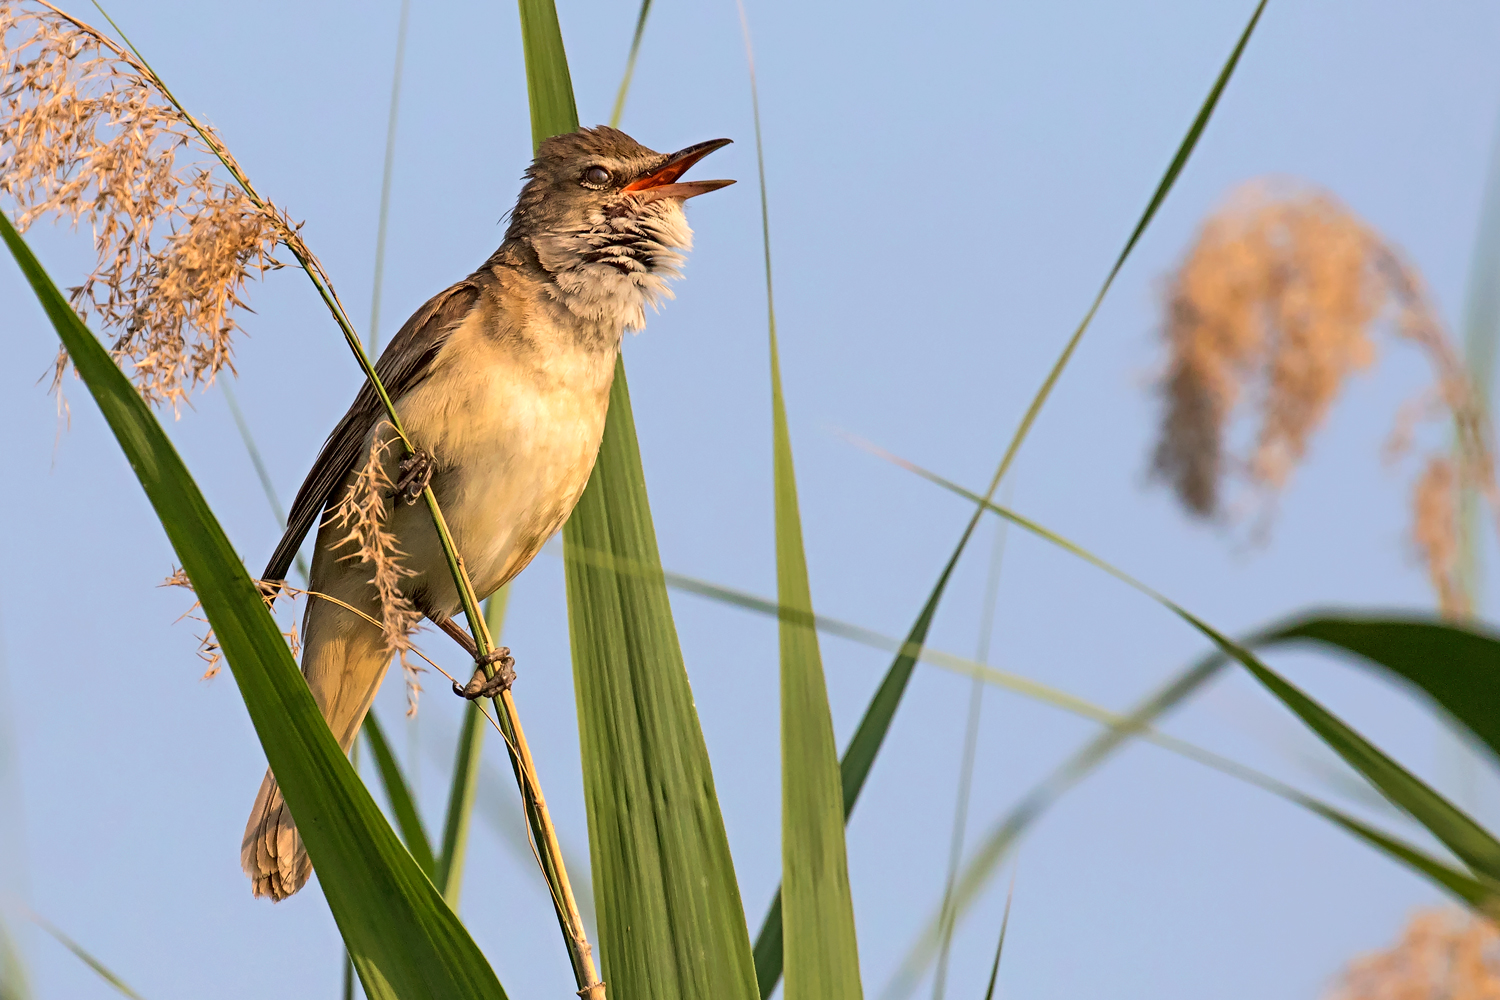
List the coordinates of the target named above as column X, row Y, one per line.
column 671, row 923
column 404, row 940
column 1457, row 668
column 103, row 971
column 1455, row 829
column 984, row 863
column 863, row 747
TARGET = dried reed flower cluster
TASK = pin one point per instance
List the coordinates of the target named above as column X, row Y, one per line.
column 1442, row 955
column 208, row 646
column 362, row 513
column 89, row 135
column 1271, row 311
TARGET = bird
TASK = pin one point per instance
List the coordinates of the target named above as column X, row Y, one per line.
column 502, row 383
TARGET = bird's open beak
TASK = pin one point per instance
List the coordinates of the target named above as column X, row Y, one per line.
column 662, row 182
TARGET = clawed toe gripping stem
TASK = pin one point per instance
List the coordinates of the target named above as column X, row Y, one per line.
column 416, row 473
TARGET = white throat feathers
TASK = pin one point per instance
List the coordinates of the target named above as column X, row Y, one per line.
column 620, row 261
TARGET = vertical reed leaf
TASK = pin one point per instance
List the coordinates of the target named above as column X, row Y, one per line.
column 817, row 912
column 399, row 794
column 404, row 940
column 450, row 863
column 860, row 755
column 989, row 991
column 671, row 924
column 1481, row 326
column 13, row 982
column 377, row 286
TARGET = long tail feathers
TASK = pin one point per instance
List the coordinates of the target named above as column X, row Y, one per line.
column 272, row 853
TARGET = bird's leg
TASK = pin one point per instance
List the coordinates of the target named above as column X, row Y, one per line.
column 454, row 631
column 480, row 685
column 483, row 686
column 416, row 473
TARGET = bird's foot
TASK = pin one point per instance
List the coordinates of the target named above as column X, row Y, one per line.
column 481, row 685
column 416, row 473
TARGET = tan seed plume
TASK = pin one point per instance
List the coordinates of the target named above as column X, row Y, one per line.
column 88, row 136
column 362, row 513
column 1273, row 308
column 1442, row 955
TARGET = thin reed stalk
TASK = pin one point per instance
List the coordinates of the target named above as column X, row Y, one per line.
column 385, row 179
column 949, row 915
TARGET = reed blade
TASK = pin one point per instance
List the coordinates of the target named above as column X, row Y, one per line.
column 860, row 755
column 404, row 940
column 989, row 992
column 398, row 792
column 1455, row 829
column 82, row 954
column 817, row 911
column 670, row 919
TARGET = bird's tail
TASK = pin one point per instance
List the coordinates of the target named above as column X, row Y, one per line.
column 344, row 660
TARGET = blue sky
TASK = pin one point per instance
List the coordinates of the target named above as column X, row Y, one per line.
column 948, row 187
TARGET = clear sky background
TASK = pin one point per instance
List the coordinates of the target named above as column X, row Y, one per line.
column 948, row 186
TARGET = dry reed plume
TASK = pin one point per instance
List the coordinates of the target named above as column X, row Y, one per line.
column 209, row 650
column 1442, row 955
column 362, row 513
column 1271, row 311
column 88, row 135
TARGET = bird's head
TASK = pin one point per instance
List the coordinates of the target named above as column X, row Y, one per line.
column 604, row 215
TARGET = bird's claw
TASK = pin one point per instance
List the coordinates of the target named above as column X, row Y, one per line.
column 416, row 473
column 481, row 685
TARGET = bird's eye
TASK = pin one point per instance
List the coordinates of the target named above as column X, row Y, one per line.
column 596, row 176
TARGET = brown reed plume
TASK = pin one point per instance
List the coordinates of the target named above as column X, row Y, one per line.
column 88, row 135
column 362, row 513
column 1272, row 310
column 209, row 650
column 1442, row 955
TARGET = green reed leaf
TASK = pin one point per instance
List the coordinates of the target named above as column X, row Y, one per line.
column 989, row 991
column 635, row 50
column 404, row 940
column 1481, row 331
column 860, row 755
column 817, row 911
column 14, row 984
column 83, row 955
column 670, row 919
column 1456, row 667
column 408, row 819
column 1456, row 830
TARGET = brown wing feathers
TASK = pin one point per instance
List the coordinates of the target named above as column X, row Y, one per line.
column 405, row 363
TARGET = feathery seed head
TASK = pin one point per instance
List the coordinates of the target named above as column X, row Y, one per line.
column 1442, row 955
column 1273, row 308
column 362, row 512
column 88, row 135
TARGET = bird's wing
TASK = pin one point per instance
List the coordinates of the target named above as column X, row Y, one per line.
column 405, row 363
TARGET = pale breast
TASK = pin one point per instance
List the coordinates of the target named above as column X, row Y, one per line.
column 513, row 425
